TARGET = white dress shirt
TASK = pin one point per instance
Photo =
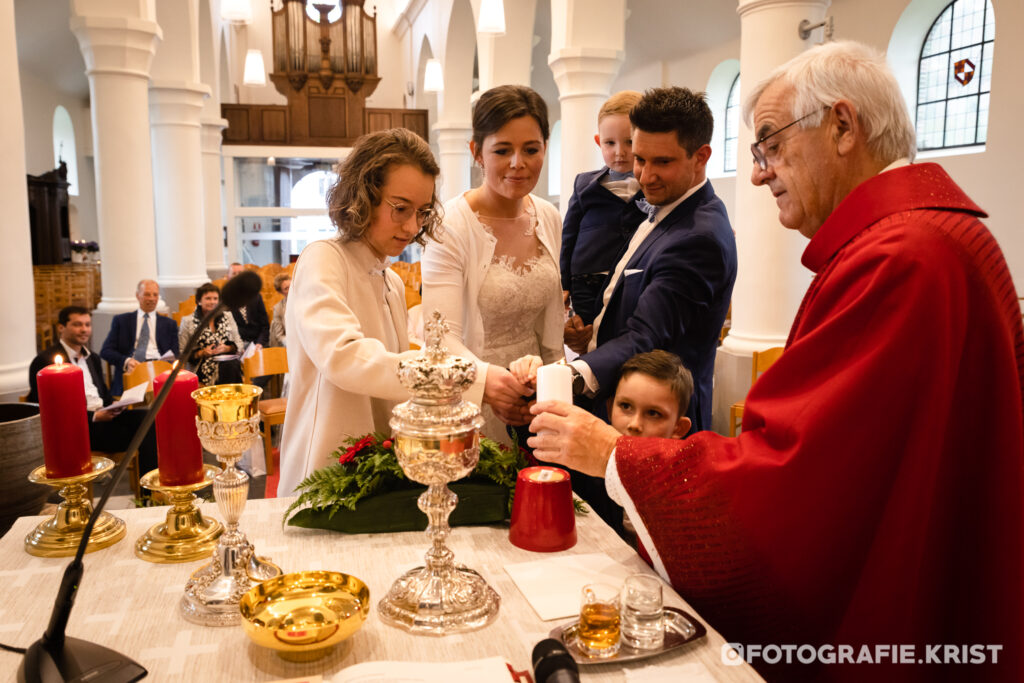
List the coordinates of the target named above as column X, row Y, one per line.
column 152, row 351
column 93, row 401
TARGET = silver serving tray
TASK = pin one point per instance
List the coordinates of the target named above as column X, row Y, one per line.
column 680, row 629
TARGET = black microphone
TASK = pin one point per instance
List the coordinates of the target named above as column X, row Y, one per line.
column 552, row 663
column 57, row 658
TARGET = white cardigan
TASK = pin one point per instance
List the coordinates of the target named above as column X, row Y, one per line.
column 343, row 380
column 453, row 273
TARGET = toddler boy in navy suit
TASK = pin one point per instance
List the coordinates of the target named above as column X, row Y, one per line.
column 602, row 212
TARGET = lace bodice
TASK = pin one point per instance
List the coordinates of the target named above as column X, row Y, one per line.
column 512, row 299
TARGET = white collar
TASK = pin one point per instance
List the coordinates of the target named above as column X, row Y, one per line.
column 666, row 209
column 85, row 352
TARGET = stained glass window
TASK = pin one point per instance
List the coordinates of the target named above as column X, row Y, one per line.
column 732, row 125
column 954, row 76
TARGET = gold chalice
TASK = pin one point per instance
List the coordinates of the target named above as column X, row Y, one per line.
column 437, row 441
column 60, row 535
column 302, row 616
column 228, row 423
column 185, row 535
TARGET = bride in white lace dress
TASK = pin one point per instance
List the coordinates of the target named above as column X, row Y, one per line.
column 494, row 272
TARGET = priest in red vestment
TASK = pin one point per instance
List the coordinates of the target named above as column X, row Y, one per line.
column 871, row 509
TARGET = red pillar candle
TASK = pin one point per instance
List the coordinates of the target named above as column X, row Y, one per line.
column 179, row 453
column 63, row 420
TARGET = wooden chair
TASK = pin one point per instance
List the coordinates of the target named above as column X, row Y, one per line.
column 145, row 372
column 761, row 361
column 268, row 361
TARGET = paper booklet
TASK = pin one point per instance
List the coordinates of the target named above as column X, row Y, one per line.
column 136, row 394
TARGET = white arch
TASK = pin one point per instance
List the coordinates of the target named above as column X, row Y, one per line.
column 459, row 50
column 719, row 83
column 64, row 146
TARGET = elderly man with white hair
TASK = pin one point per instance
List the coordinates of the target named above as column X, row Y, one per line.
column 874, row 497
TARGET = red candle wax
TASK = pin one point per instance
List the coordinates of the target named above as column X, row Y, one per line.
column 63, row 420
column 179, row 453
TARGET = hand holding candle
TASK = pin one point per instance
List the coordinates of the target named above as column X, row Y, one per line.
column 63, row 419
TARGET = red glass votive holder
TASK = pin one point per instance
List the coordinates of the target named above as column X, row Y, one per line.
column 543, row 517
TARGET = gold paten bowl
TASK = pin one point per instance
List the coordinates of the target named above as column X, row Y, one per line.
column 302, row 615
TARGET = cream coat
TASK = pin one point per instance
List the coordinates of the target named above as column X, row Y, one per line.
column 343, row 380
column 454, row 270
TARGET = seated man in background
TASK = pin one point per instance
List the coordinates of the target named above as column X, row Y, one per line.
column 110, row 431
column 138, row 336
column 876, row 494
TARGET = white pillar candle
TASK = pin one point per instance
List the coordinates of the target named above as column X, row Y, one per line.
column 554, row 383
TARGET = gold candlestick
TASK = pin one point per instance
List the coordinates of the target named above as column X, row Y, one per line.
column 228, row 423
column 60, row 535
column 185, row 535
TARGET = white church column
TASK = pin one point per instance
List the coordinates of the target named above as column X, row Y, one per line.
column 175, row 105
column 118, row 48
column 454, row 158
column 17, row 308
column 505, row 60
column 178, row 184
column 213, row 217
column 587, row 43
column 771, row 280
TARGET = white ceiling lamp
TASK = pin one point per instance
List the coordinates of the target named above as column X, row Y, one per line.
column 492, row 18
column 255, row 71
column 433, row 79
column 236, row 11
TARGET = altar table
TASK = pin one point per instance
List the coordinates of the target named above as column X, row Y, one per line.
column 132, row 606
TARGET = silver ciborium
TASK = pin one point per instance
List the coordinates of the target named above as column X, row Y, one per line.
column 437, row 441
column 228, row 422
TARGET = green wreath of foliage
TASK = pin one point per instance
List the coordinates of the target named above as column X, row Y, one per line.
column 368, row 467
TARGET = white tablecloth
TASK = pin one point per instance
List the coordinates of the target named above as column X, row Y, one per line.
column 132, row 606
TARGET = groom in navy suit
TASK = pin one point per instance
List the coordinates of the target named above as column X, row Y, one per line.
column 138, row 336
column 671, row 287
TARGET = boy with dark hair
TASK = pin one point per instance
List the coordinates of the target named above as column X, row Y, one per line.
column 652, row 396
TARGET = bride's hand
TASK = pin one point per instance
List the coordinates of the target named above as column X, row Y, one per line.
column 525, row 369
column 504, row 393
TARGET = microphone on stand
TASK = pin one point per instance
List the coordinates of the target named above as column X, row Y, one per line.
column 552, row 663
column 56, row 658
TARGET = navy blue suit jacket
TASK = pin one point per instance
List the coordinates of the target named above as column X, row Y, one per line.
column 596, row 230
column 674, row 295
column 120, row 343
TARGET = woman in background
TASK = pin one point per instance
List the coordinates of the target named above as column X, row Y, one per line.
column 282, row 283
column 219, row 338
column 494, row 272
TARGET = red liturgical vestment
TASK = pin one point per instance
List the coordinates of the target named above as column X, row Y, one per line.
column 875, row 493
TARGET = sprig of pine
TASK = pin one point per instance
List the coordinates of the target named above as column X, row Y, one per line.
column 375, row 469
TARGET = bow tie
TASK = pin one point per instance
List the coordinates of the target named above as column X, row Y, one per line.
column 615, row 175
column 647, row 208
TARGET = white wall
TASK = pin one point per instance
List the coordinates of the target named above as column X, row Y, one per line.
column 990, row 178
column 39, row 99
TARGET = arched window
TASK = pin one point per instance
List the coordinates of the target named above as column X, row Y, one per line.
column 732, row 125
column 955, row 75
column 64, row 146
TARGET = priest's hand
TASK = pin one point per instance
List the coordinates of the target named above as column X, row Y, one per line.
column 570, row 436
column 577, row 335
